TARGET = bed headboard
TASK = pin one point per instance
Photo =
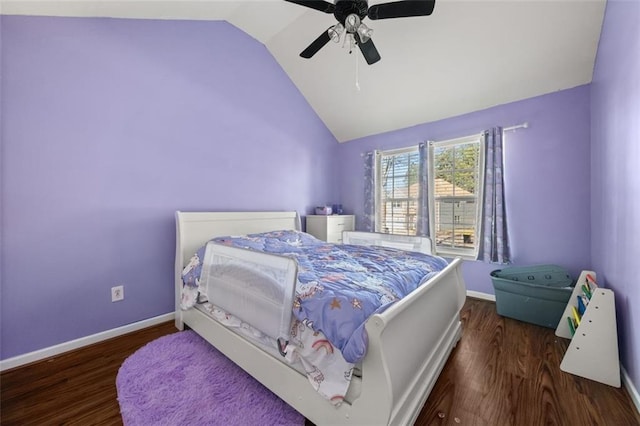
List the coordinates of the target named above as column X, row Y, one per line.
column 194, row 229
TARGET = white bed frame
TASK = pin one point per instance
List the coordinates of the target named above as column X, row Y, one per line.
column 399, row 369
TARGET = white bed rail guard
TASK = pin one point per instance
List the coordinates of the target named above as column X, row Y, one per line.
column 258, row 288
column 403, row 242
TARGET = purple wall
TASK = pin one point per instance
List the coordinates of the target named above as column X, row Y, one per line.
column 615, row 162
column 546, row 176
column 109, row 126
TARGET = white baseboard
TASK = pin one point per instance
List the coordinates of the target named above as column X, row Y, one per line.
column 483, row 296
column 633, row 392
column 38, row 355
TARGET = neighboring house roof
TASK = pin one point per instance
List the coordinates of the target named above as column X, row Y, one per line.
column 443, row 188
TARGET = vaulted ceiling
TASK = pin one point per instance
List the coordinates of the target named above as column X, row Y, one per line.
column 468, row 55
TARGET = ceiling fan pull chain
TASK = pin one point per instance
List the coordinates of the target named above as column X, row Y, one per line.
column 357, row 73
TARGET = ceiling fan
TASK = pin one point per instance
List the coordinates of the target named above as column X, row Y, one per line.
column 351, row 13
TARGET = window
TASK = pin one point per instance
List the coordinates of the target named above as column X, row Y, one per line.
column 397, row 191
column 456, row 176
column 455, row 183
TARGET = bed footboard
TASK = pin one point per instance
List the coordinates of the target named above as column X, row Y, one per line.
column 404, row 364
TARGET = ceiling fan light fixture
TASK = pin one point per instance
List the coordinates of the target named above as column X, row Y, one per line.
column 335, row 32
column 352, row 22
column 364, row 33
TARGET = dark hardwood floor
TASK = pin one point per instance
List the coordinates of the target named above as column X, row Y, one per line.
column 75, row 388
column 503, row 372
column 506, row 372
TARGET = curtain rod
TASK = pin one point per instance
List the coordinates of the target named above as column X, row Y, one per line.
column 524, row 125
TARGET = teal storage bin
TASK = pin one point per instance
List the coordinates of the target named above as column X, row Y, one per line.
column 534, row 294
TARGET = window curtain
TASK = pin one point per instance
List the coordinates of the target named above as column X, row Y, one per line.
column 494, row 246
column 369, row 219
column 422, row 225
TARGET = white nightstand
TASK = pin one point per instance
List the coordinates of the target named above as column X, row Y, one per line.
column 329, row 228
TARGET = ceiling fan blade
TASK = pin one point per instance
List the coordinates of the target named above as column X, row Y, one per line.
column 320, row 5
column 316, row 45
column 369, row 52
column 401, row 9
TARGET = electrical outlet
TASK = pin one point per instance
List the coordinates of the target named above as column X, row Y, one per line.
column 117, row 293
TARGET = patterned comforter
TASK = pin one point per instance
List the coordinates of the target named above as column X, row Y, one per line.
column 339, row 286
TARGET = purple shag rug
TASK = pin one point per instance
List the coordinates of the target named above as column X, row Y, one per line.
column 180, row 379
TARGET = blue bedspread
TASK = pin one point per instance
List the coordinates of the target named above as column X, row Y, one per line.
column 340, row 286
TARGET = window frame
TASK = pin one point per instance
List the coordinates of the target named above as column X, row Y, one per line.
column 466, row 253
